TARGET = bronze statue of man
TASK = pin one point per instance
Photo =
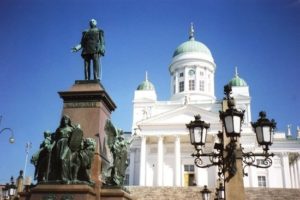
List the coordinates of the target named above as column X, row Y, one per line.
column 92, row 45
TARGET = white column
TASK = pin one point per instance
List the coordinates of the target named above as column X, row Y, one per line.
column 298, row 170
column 176, row 82
column 160, row 149
column 213, row 83
column 296, row 173
column 186, row 80
column 131, row 168
column 247, row 179
column 286, row 170
column 249, row 113
column 177, row 162
column 201, row 176
column 172, row 82
column 253, row 177
column 143, row 162
column 197, row 79
column 292, row 176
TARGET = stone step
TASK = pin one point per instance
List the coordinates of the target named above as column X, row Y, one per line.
column 193, row 193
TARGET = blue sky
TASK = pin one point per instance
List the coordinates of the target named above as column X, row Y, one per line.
column 261, row 37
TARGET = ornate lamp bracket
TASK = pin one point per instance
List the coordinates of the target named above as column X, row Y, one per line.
column 251, row 159
column 215, row 158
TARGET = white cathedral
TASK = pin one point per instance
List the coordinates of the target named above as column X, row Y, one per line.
column 161, row 156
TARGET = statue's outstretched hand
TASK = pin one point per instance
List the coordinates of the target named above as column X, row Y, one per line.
column 76, row 48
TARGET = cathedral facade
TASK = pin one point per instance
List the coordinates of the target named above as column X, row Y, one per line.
column 161, row 156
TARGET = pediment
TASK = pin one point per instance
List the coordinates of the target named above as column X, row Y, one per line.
column 182, row 115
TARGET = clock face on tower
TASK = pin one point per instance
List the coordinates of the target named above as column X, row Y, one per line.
column 192, row 72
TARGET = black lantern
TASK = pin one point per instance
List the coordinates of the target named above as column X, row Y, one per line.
column 198, row 131
column 12, row 188
column 232, row 118
column 264, row 129
column 5, row 191
column 205, row 193
column 221, row 192
column 11, row 139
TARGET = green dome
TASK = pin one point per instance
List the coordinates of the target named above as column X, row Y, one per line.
column 192, row 46
column 146, row 85
column 237, row 81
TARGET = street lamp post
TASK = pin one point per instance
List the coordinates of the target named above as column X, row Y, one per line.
column 28, row 146
column 5, row 192
column 228, row 154
column 11, row 138
column 12, row 188
column 9, row 190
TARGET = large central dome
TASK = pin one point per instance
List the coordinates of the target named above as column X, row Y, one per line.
column 192, row 71
column 192, row 46
column 192, row 49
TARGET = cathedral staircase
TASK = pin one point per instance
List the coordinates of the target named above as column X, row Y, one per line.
column 193, row 193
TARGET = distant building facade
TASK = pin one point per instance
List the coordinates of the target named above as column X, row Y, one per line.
column 161, row 156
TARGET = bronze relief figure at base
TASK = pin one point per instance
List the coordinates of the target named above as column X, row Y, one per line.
column 65, row 156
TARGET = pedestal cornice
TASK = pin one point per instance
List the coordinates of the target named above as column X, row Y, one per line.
column 86, row 94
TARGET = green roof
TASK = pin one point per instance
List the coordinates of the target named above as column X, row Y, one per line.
column 192, row 46
column 237, row 81
column 146, row 85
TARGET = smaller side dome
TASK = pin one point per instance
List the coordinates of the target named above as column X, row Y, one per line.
column 237, row 81
column 146, row 85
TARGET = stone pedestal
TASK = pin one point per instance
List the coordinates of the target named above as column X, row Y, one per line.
column 59, row 192
column 115, row 194
column 88, row 104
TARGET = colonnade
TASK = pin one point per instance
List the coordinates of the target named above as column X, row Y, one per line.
column 294, row 169
column 160, row 160
column 288, row 162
